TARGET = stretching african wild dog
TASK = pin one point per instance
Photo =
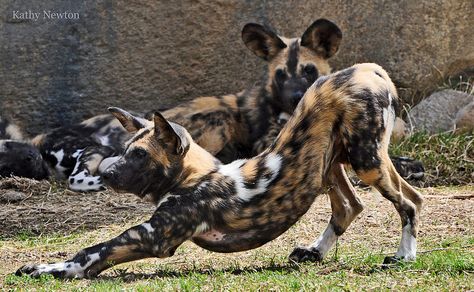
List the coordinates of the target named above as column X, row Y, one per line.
column 345, row 118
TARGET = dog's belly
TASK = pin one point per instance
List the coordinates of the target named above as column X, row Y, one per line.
column 235, row 241
column 217, row 241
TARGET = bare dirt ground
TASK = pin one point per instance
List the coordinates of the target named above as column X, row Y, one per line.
column 39, row 207
column 79, row 220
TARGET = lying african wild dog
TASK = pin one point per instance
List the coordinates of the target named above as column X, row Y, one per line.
column 344, row 118
column 78, row 152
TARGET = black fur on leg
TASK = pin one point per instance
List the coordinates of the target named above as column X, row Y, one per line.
column 302, row 254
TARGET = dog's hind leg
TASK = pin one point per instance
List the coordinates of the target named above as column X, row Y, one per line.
column 405, row 198
column 345, row 207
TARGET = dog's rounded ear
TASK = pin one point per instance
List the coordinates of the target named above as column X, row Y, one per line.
column 262, row 41
column 131, row 123
column 172, row 134
column 323, row 37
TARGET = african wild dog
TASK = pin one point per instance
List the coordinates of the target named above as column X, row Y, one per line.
column 344, row 118
column 80, row 152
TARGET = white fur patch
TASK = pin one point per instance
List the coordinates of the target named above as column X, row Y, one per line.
column 273, row 162
column 72, row 269
column 14, row 132
column 103, row 140
column 148, row 227
column 324, row 243
column 233, row 170
column 77, row 153
column 407, row 249
column 84, row 182
column 59, row 157
column 283, row 117
column 389, row 121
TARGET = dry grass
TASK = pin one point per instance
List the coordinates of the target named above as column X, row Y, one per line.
column 47, row 207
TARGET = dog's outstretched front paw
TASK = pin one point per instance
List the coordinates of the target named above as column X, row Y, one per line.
column 36, row 271
column 303, row 254
column 62, row 270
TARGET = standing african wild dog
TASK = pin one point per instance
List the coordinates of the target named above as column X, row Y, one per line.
column 344, row 118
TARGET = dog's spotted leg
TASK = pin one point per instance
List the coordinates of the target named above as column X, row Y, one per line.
column 345, row 207
column 159, row 237
column 85, row 176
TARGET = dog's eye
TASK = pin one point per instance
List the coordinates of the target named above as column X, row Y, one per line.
column 280, row 74
column 139, row 152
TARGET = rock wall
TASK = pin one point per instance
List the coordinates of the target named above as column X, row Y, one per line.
column 150, row 54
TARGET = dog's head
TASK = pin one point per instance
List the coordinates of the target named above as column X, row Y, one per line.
column 21, row 159
column 293, row 63
column 153, row 157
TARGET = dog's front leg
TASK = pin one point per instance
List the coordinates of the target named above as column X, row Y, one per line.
column 158, row 237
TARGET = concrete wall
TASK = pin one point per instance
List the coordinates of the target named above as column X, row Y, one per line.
column 149, row 54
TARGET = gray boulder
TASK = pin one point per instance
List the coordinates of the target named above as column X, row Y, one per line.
column 437, row 112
